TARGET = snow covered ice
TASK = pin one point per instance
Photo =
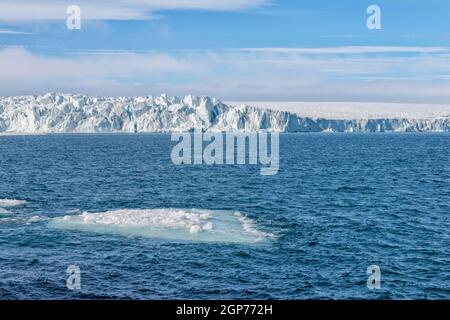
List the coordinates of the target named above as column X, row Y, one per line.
column 168, row 223
column 76, row 113
column 11, row 203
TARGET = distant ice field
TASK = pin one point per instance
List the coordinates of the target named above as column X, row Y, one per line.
column 354, row 110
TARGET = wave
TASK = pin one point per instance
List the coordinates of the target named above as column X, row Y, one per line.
column 168, row 223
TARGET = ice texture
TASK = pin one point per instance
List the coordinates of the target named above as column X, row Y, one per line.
column 5, row 203
column 77, row 113
column 168, row 223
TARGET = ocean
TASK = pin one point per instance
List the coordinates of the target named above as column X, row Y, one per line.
column 138, row 226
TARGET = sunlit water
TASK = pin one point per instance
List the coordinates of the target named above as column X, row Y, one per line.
column 140, row 227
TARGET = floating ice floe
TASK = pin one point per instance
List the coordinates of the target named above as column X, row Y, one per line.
column 168, row 223
column 23, row 219
column 6, row 203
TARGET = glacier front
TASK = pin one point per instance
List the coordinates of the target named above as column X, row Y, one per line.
column 76, row 113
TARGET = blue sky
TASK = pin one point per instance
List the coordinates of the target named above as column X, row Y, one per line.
column 233, row 49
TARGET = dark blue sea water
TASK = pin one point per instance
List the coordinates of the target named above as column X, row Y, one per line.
column 340, row 203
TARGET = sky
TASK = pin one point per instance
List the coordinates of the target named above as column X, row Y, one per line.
column 239, row 50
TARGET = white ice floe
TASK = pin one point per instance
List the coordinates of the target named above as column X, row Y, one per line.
column 23, row 219
column 6, row 203
column 65, row 113
column 169, row 223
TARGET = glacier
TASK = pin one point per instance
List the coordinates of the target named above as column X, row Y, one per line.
column 78, row 113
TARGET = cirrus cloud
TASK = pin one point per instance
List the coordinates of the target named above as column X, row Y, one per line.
column 232, row 75
column 31, row 10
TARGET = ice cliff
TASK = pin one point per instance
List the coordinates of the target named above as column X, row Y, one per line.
column 57, row 113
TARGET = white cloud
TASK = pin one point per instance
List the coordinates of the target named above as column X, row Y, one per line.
column 350, row 50
column 13, row 32
column 232, row 75
column 27, row 10
column 19, row 64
